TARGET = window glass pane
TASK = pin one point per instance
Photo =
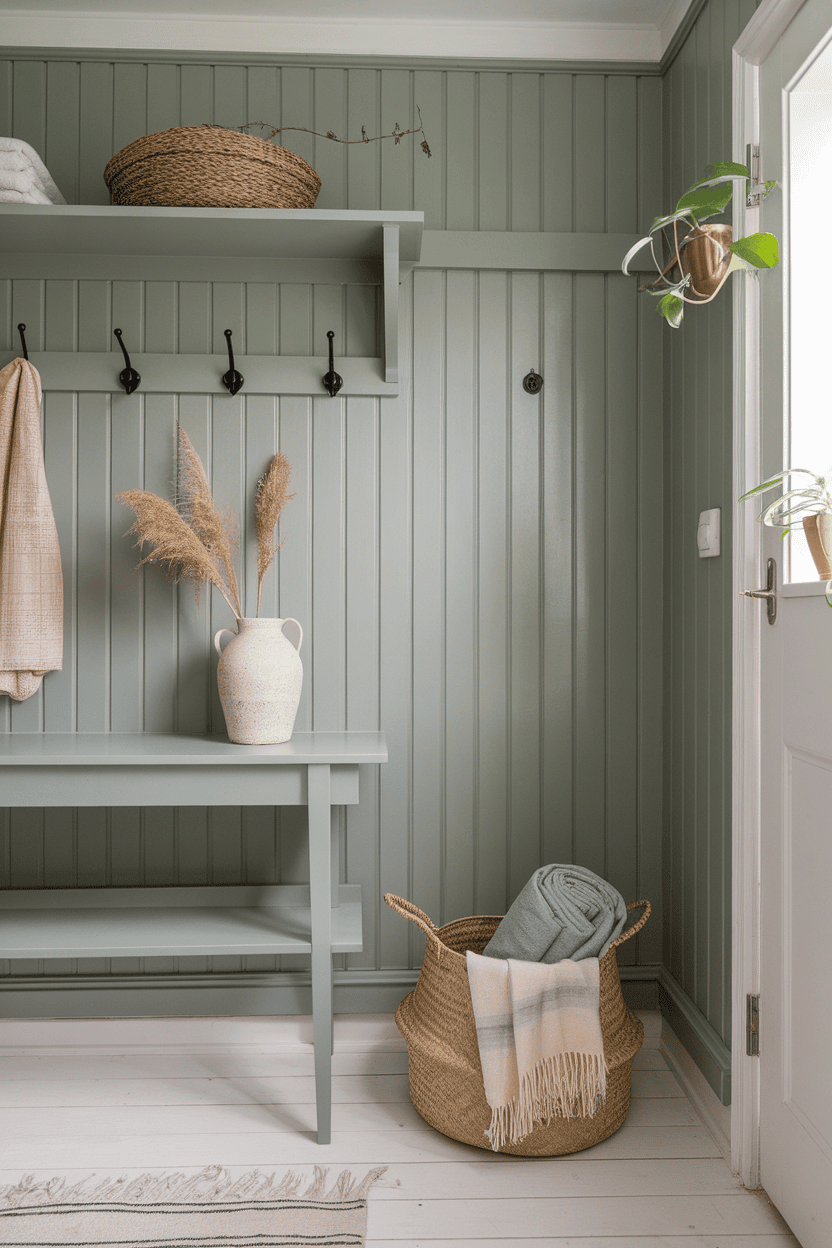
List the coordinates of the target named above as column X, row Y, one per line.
column 810, row 374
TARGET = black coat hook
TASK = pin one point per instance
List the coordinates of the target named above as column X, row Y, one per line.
column 232, row 380
column 332, row 381
column 128, row 376
column 532, row 382
column 21, row 329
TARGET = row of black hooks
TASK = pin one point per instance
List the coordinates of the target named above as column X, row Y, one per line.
column 232, row 380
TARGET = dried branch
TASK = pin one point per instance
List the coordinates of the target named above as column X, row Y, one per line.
column 270, row 499
column 197, row 508
column 396, row 134
column 174, row 543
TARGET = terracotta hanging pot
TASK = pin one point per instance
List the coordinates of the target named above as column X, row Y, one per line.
column 701, row 255
column 818, row 530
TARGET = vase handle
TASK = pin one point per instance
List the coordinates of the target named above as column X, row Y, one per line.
column 291, row 620
column 217, row 645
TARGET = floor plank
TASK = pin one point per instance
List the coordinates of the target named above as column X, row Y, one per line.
column 594, row 1241
column 296, row 1146
column 223, row 1118
column 223, row 1066
column 741, row 1214
column 282, row 1090
column 659, row 1182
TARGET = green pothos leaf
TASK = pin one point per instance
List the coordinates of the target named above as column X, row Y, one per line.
column 705, row 201
column 672, row 308
column 761, row 250
column 722, row 171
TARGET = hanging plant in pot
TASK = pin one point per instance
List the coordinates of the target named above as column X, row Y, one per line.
column 697, row 258
column 806, row 506
column 260, row 674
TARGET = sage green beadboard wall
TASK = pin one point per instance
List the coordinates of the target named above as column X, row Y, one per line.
column 698, row 592
column 478, row 572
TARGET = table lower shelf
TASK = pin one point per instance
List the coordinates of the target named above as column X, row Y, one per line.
column 146, row 922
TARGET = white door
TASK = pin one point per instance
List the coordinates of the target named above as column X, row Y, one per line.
column 796, row 652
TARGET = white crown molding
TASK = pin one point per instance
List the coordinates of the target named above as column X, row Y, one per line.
column 765, row 28
column 673, row 19
column 561, row 41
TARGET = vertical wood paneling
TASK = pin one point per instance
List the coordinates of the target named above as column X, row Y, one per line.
column 361, row 565
column 395, row 491
column 459, row 153
column 477, row 570
column 95, row 131
column 698, row 593
column 590, row 588
column 493, row 642
column 525, row 150
column 162, row 97
column 62, row 126
column 492, row 134
column 524, row 589
column 428, row 533
column 558, row 568
column 652, row 739
column 460, row 625
column 363, row 160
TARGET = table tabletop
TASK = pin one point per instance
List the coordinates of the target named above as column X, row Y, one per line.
column 102, row 749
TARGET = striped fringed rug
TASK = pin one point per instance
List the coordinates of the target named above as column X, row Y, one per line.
column 206, row 1210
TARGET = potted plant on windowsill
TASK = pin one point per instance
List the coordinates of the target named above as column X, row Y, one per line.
column 807, row 506
column 699, row 258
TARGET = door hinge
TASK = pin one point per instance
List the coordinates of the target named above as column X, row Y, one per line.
column 755, row 190
column 752, row 1025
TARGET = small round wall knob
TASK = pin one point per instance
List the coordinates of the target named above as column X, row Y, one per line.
column 532, row 382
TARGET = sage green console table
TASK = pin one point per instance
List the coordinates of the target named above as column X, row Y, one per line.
column 318, row 770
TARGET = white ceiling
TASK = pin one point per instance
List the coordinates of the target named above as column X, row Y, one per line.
column 624, row 30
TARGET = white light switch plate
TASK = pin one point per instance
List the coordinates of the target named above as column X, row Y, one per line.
column 707, row 535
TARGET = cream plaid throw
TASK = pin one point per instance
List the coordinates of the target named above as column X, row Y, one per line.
column 539, row 1036
column 31, row 588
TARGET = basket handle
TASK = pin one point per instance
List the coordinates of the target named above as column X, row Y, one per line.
column 634, row 905
column 409, row 911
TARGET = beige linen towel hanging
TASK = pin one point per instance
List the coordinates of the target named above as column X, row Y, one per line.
column 31, row 588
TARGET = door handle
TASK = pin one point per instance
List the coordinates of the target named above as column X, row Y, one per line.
column 769, row 593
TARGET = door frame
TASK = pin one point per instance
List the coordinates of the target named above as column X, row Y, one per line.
column 751, row 49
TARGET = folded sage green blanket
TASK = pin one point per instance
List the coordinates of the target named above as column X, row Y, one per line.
column 563, row 911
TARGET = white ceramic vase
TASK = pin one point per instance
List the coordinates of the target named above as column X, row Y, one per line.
column 260, row 676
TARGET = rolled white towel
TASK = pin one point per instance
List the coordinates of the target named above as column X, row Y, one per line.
column 17, row 157
column 23, row 197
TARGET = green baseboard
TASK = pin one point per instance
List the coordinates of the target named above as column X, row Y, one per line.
column 707, row 1048
column 246, row 994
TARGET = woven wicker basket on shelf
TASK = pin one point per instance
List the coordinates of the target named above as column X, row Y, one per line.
column 210, row 167
column 437, row 1021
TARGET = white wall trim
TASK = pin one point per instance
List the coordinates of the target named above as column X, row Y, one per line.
column 673, row 19
column 751, row 49
column 764, row 29
column 715, row 1115
column 593, row 41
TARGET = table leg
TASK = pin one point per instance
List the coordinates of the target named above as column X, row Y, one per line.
column 320, row 891
column 335, row 837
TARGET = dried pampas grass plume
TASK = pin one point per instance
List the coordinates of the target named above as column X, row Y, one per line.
column 270, row 499
column 174, row 544
column 197, row 508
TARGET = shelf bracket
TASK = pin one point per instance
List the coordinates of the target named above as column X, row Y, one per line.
column 390, row 289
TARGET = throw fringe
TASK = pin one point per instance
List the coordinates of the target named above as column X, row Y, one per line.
column 214, row 1184
column 564, row 1085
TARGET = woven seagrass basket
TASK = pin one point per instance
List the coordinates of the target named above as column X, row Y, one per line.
column 437, row 1021
column 210, row 167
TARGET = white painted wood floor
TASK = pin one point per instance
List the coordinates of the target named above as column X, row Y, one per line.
column 137, row 1096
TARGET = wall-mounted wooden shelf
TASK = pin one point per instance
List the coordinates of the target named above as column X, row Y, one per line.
column 59, row 241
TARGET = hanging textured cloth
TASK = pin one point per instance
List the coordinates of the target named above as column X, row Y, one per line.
column 31, row 587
